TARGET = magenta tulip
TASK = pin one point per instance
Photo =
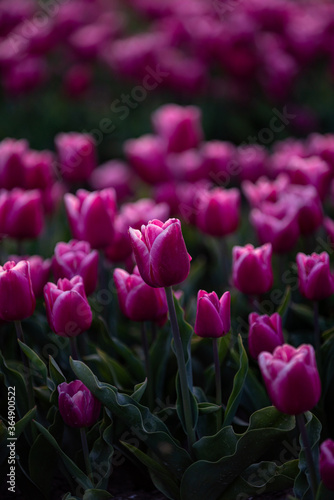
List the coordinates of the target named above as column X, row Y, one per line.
column 139, row 301
column 12, row 170
column 251, row 269
column 17, row 296
column 327, row 463
column 91, row 216
column 316, row 282
column 213, row 316
column 265, row 333
column 218, row 212
column 67, row 308
column 39, row 271
column 147, row 155
column 76, row 258
column 77, row 405
column 21, row 213
column 291, row 378
column 77, row 156
column 160, row 252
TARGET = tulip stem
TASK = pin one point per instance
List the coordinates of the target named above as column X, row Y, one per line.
column 25, row 360
column 218, row 382
column 85, row 450
column 316, row 327
column 182, row 368
column 74, row 348
column 308, row 453
column 147, row 367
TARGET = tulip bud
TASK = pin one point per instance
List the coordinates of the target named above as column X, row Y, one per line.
column 160, row 252
column 77, row 405
column 91, row 216
column 67, row 308
column 77, row 156
column 147, row 156
column 17, row 297
column 213, row 316
column 327, row 463
column 39, row 271
column 11, row 163
column 139, row 301
column 291, row 378
column 315, row 279
column 21, row 213
column 76, row 258
column 251, row 269
column 218, row 212
column 265, row 333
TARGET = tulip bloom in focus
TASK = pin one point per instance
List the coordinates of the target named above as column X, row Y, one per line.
column 213, row 316
column 251, row 269
column 17, row 297
column 77, row 405
column 265, row 333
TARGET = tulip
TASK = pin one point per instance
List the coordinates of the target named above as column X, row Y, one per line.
column 187, row 166
column 113, row 174
column 139, row 301
column 309, row 207
column 67, row 308
column 77, row 405
column 315, row 279
column 17, row 296
column 251, row 269
column 329, row 227
column 12, row 171
column 39, row 271
column 310, row 171
column 38, row 167
column 77, row 156
column 218, row 158
column 213, row 316
column 291, row 378
column 252, row 161
column 179, row 126
column 120, row 250
column 161, row 253
column 91, row 216
column 327, row 463
column 265, row 333
column 265, row 190
column 218, row 212
column 21, row 213
column 76, row 258
column 147, row 156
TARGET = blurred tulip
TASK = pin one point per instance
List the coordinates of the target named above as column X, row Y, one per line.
column 147, row 156
column 327, row 463
column 316, row 281
column 12, row 170
column 77, row 156
column 17, row 296
column 265, row 333
column 251, row 269
column 21, row 213
column 39, row 271
column 219, row 212
column 113, row 174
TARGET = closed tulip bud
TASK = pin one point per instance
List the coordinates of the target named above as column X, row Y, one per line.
column 67, row 308
column 76, row 258
column 38, row 169
column 160, row 252
column 213, row 316
column 251, row 269
column 77, row 156
column 17, row 296
column 91, row 216
column 21, row 213
column 327, row 463
column 252, row 161
column 218, row 212
column 147, row 156
column 139, row 301
column 77, row 405
column 265, row 333
column 179, row 126
column 11, row 163
column 265, row 190
column 39, row 271
column 113, row 174
column 316, row 281
column 329, row 227
column 291, row 378
column 310, row 171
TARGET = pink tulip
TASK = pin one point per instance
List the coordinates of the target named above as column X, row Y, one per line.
column 17, row 296
column 291, row 378
column 161, row 253
column 77, row 156
column 316, row 281
column 219, row 212
column 113, row 174
column 77, row 405
column 265, row 333
column 251, row 269
column 39, row 271
column 147, row 156
column 213, row 316
column 21, row 213
column 327, row 463
column 12, row 169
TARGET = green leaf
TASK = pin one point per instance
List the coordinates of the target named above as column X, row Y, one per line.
column 19, row 428
column 166, row 482
column 13, row 378
column 159, row 355
column 119, row 375
column 238, row 385
column 96, row 495
column 139, row 419
column 207, row 408
column 37, row 366
column 224, row 346
column 284, row 306
column 302, row 488
column 102, row 453
column 55, row 372
column 323, row 493
column 139, row 391
column 132, row 363
column 73, row 469
column 223, row 457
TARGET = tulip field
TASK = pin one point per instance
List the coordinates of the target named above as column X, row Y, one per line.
column 166, row 249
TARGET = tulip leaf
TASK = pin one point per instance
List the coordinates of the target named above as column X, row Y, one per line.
column 323, row 493
column 302, row 486
column 186, row 333
column 166, row 483
column 14, row 378
column 96, row 494
column 226, row 455
column 224, row 346
column 207, row 408
column 19, row 428
column 264, row 477
column 133, row 364
column 139, row 391
column 238, row 385
column 72, row 468
column 37, row 366
column 120, row 377
column 138, row 418
column 284, row 306
column 55, row 372
column 101, row 455
column 159, row 355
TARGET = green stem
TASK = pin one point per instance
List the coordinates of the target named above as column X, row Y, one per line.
column 316, row 327
column 182, row 368
column 153, row 331
column 147, row 367
column 218, row 382
column 308, row 453
column 74, row 348
column 85, row 450
column 25, row 360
